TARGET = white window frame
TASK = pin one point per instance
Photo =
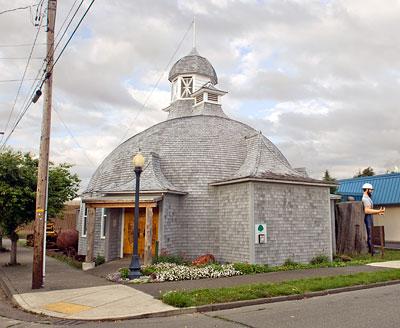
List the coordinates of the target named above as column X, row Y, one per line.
column 175, row 90
column 184, row 91
column 104, row 216
column 84, row 221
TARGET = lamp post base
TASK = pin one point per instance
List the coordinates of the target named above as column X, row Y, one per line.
column 134, row 268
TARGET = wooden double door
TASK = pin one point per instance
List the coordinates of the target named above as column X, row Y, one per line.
column 129, row 224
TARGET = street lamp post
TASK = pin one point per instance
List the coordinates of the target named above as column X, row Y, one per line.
column 134, row 267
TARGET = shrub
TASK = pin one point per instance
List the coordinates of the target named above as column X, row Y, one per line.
column 147, row 271
column 246, row 268
column 319, row 259
column 98, row 260
column 166, row 257
column 290, row 263
column 124, row 273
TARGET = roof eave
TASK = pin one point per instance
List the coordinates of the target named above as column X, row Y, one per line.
column 219, row 92
column 248, row 179
column 161, row 191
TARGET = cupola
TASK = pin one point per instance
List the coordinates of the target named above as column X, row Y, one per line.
column 189, row 74
column 193, row 91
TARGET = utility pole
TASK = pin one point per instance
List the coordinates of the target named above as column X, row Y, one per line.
column 43, row 169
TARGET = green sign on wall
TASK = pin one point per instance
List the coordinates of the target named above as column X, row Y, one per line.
column 260, row 233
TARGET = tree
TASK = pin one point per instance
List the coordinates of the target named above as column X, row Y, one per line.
column 18, row 181
column 369, row 171
column 395, row 170
column 327, row 177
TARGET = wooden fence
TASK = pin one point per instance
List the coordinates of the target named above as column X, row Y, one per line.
column 68, row 222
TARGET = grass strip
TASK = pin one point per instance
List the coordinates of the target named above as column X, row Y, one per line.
column 67, row 260
column 263, row 290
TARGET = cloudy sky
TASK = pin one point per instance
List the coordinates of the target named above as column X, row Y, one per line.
column 319, row 78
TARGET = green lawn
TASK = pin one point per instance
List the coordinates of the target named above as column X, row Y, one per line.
column 389, row 256
column 265, row 290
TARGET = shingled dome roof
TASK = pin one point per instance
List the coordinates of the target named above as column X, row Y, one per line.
column 193, row 64
column 191, row 151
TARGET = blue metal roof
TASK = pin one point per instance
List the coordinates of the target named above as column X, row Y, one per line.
column 386, row 188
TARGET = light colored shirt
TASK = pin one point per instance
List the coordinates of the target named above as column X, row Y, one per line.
column 367, row 202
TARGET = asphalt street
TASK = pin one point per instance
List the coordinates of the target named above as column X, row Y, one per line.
column 375, row 307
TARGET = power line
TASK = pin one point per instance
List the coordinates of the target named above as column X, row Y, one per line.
column 15, row 125
column 23, row 77
column 28, row 102
column 38, row 12
column 15, row 9
column 76, row 141
column 62, row 25
column 32, row 92
column 39, row 85
column 19, row 58
column 73, row 33
column 18, row 80
column 21, row 45
column 158, row 81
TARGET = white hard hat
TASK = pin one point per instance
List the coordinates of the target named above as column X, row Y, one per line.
column 367, row 186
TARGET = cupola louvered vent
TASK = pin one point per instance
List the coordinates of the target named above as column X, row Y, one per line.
column 213, row 97
column 199, row 98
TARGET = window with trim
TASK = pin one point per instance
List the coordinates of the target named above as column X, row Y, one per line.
column 186, row 86
column 84, row 221
column 104, row 215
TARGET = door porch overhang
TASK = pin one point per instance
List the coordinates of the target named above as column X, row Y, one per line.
column 125, row 201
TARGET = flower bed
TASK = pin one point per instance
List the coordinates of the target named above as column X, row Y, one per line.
column 173, row 272
column 176, row 272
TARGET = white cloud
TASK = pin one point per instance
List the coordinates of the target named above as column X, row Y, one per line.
column 319, row 78
column 307, row 108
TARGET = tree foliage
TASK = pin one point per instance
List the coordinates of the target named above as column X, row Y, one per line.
column 369, row 171
column 18, row 181
column 327, row 177
column 17, row 190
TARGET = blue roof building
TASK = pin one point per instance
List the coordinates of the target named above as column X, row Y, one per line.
column 386, row 193
column 386, row 188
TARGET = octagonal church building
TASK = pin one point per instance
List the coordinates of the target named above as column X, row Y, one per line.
column 210, row 185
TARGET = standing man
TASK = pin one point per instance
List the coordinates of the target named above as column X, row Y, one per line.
column 369, row 211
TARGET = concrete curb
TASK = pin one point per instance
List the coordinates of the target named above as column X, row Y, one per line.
column 11, row 291
column 238, row 304
column 258, row 301
column 232, row 305
column 8, row 288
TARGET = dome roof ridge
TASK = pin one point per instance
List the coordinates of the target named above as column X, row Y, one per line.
column 258, row 161
column 153, row 178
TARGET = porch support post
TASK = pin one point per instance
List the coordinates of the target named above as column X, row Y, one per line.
column 89, row 262
column 148, row 237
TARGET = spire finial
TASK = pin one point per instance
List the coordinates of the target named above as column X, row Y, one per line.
column 194, row 32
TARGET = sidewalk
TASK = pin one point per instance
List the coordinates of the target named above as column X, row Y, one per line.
column 70, row 293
